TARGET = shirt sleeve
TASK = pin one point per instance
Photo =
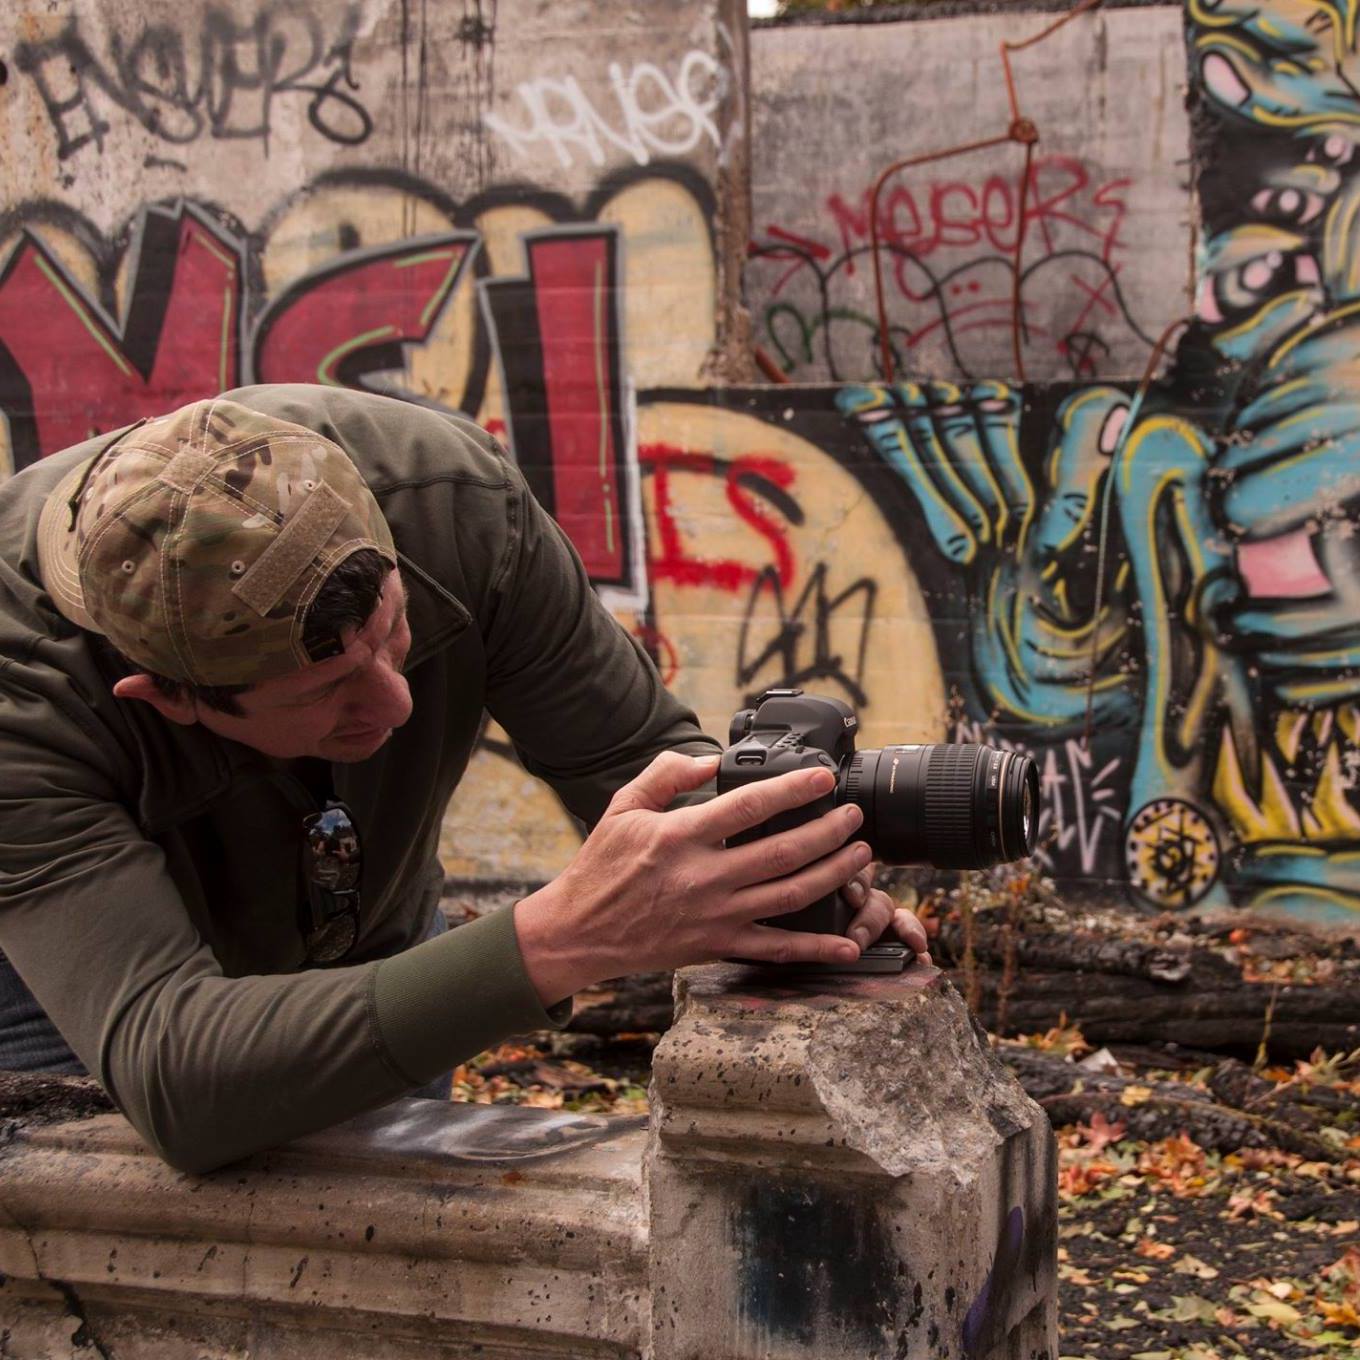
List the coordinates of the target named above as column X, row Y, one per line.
column 209, row 1068
column 580, row 699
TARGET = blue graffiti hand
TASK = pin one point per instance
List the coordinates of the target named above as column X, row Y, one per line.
column 1290, row 67
column 1025, row 554
column 957, row 450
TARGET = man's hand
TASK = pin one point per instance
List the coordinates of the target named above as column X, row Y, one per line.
column 877, row 911
column 653, row 889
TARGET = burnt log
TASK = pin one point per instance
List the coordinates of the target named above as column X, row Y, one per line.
column 1129, row 991
column 1118, row 990
column 640, row 1004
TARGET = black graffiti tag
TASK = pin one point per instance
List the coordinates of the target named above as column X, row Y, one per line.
column 223, row 79
column 800, row 644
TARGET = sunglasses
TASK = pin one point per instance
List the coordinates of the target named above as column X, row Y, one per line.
column 332, row 867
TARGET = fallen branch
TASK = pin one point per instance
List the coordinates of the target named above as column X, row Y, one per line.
column 1150, row 1109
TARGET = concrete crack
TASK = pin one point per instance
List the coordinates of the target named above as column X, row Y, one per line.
column 7, row 1215
column 84, row 1337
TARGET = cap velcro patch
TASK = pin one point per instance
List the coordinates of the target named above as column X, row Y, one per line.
column 303, row 535
column 185, row 470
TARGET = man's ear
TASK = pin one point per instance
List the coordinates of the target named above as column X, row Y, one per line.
column 181, row 709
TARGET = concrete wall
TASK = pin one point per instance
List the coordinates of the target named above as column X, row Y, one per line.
column 1107, row 261
column 952, row 552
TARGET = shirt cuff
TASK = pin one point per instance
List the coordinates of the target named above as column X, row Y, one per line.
column 446, row 1000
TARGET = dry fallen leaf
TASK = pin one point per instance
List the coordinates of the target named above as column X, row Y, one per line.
column 1074, row 1275
column 1100, row 1133
column 1189, row 1308
column 1344, row 1314
column 1192, row 1265
column 1274, row 1311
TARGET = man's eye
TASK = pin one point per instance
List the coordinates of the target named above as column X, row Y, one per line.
column 320, row 696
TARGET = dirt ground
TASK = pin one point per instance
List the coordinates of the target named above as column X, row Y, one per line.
column 1176, row 1254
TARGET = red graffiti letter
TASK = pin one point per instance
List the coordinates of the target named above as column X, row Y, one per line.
column 558, row 335
column 351, row 317
column 67, row 372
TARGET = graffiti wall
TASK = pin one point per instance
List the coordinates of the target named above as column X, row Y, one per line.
column 527, row 212
column 1152, row 586
column 218, row 193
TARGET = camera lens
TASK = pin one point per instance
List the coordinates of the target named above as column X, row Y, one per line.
column 954, row 806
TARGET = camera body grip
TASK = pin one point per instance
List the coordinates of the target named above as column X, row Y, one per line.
column 956, row 806
column 829, row 915
column 790, row 730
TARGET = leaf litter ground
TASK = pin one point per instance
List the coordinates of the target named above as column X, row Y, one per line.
column 1171, row 1252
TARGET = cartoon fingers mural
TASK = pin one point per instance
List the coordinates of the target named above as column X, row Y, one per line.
column 1021, row 541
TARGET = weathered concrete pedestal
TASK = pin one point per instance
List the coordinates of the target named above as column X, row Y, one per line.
column 843, row 1170
column 834, row 1168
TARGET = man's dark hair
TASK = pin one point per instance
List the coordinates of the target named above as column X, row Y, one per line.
column 347, row 599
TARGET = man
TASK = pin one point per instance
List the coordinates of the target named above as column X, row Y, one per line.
column 245, row 650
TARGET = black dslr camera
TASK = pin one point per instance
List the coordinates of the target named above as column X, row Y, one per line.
column 953, row 806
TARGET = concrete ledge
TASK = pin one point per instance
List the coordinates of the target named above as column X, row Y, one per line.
column 515, row 1231
column 833, row 1167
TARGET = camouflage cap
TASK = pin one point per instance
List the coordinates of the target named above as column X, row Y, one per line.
column 197, row 541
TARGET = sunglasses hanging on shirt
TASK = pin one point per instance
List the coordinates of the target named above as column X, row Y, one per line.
column 332, row 872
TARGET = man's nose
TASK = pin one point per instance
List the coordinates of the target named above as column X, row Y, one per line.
column 385, row 699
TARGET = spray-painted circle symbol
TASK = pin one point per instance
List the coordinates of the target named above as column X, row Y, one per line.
column 1171, row 852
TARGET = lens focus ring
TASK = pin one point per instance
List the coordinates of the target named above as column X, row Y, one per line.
column 854, row 781
column 949, row 808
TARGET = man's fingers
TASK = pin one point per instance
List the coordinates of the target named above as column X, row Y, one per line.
column 782, row 854
column 871, row 920
column 668, row 776
column 747, row 807
column 908, row 928
column 799, row 890
column 766, row 944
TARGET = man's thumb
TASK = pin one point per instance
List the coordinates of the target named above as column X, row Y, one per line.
column 669, row 775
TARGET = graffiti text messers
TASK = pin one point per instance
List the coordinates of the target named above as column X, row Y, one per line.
column 1028, row 553
column 209, row 76
column 947, row 256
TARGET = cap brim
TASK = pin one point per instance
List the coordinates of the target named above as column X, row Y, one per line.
column 58, row 547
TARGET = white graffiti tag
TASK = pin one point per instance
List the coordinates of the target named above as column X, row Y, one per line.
column 1079, row 803
column 656, row 116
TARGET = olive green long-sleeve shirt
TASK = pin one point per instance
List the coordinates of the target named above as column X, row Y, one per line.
column 149, row 872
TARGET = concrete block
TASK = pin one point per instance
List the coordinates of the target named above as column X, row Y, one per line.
column 839, row 1168
column 419, row 1230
